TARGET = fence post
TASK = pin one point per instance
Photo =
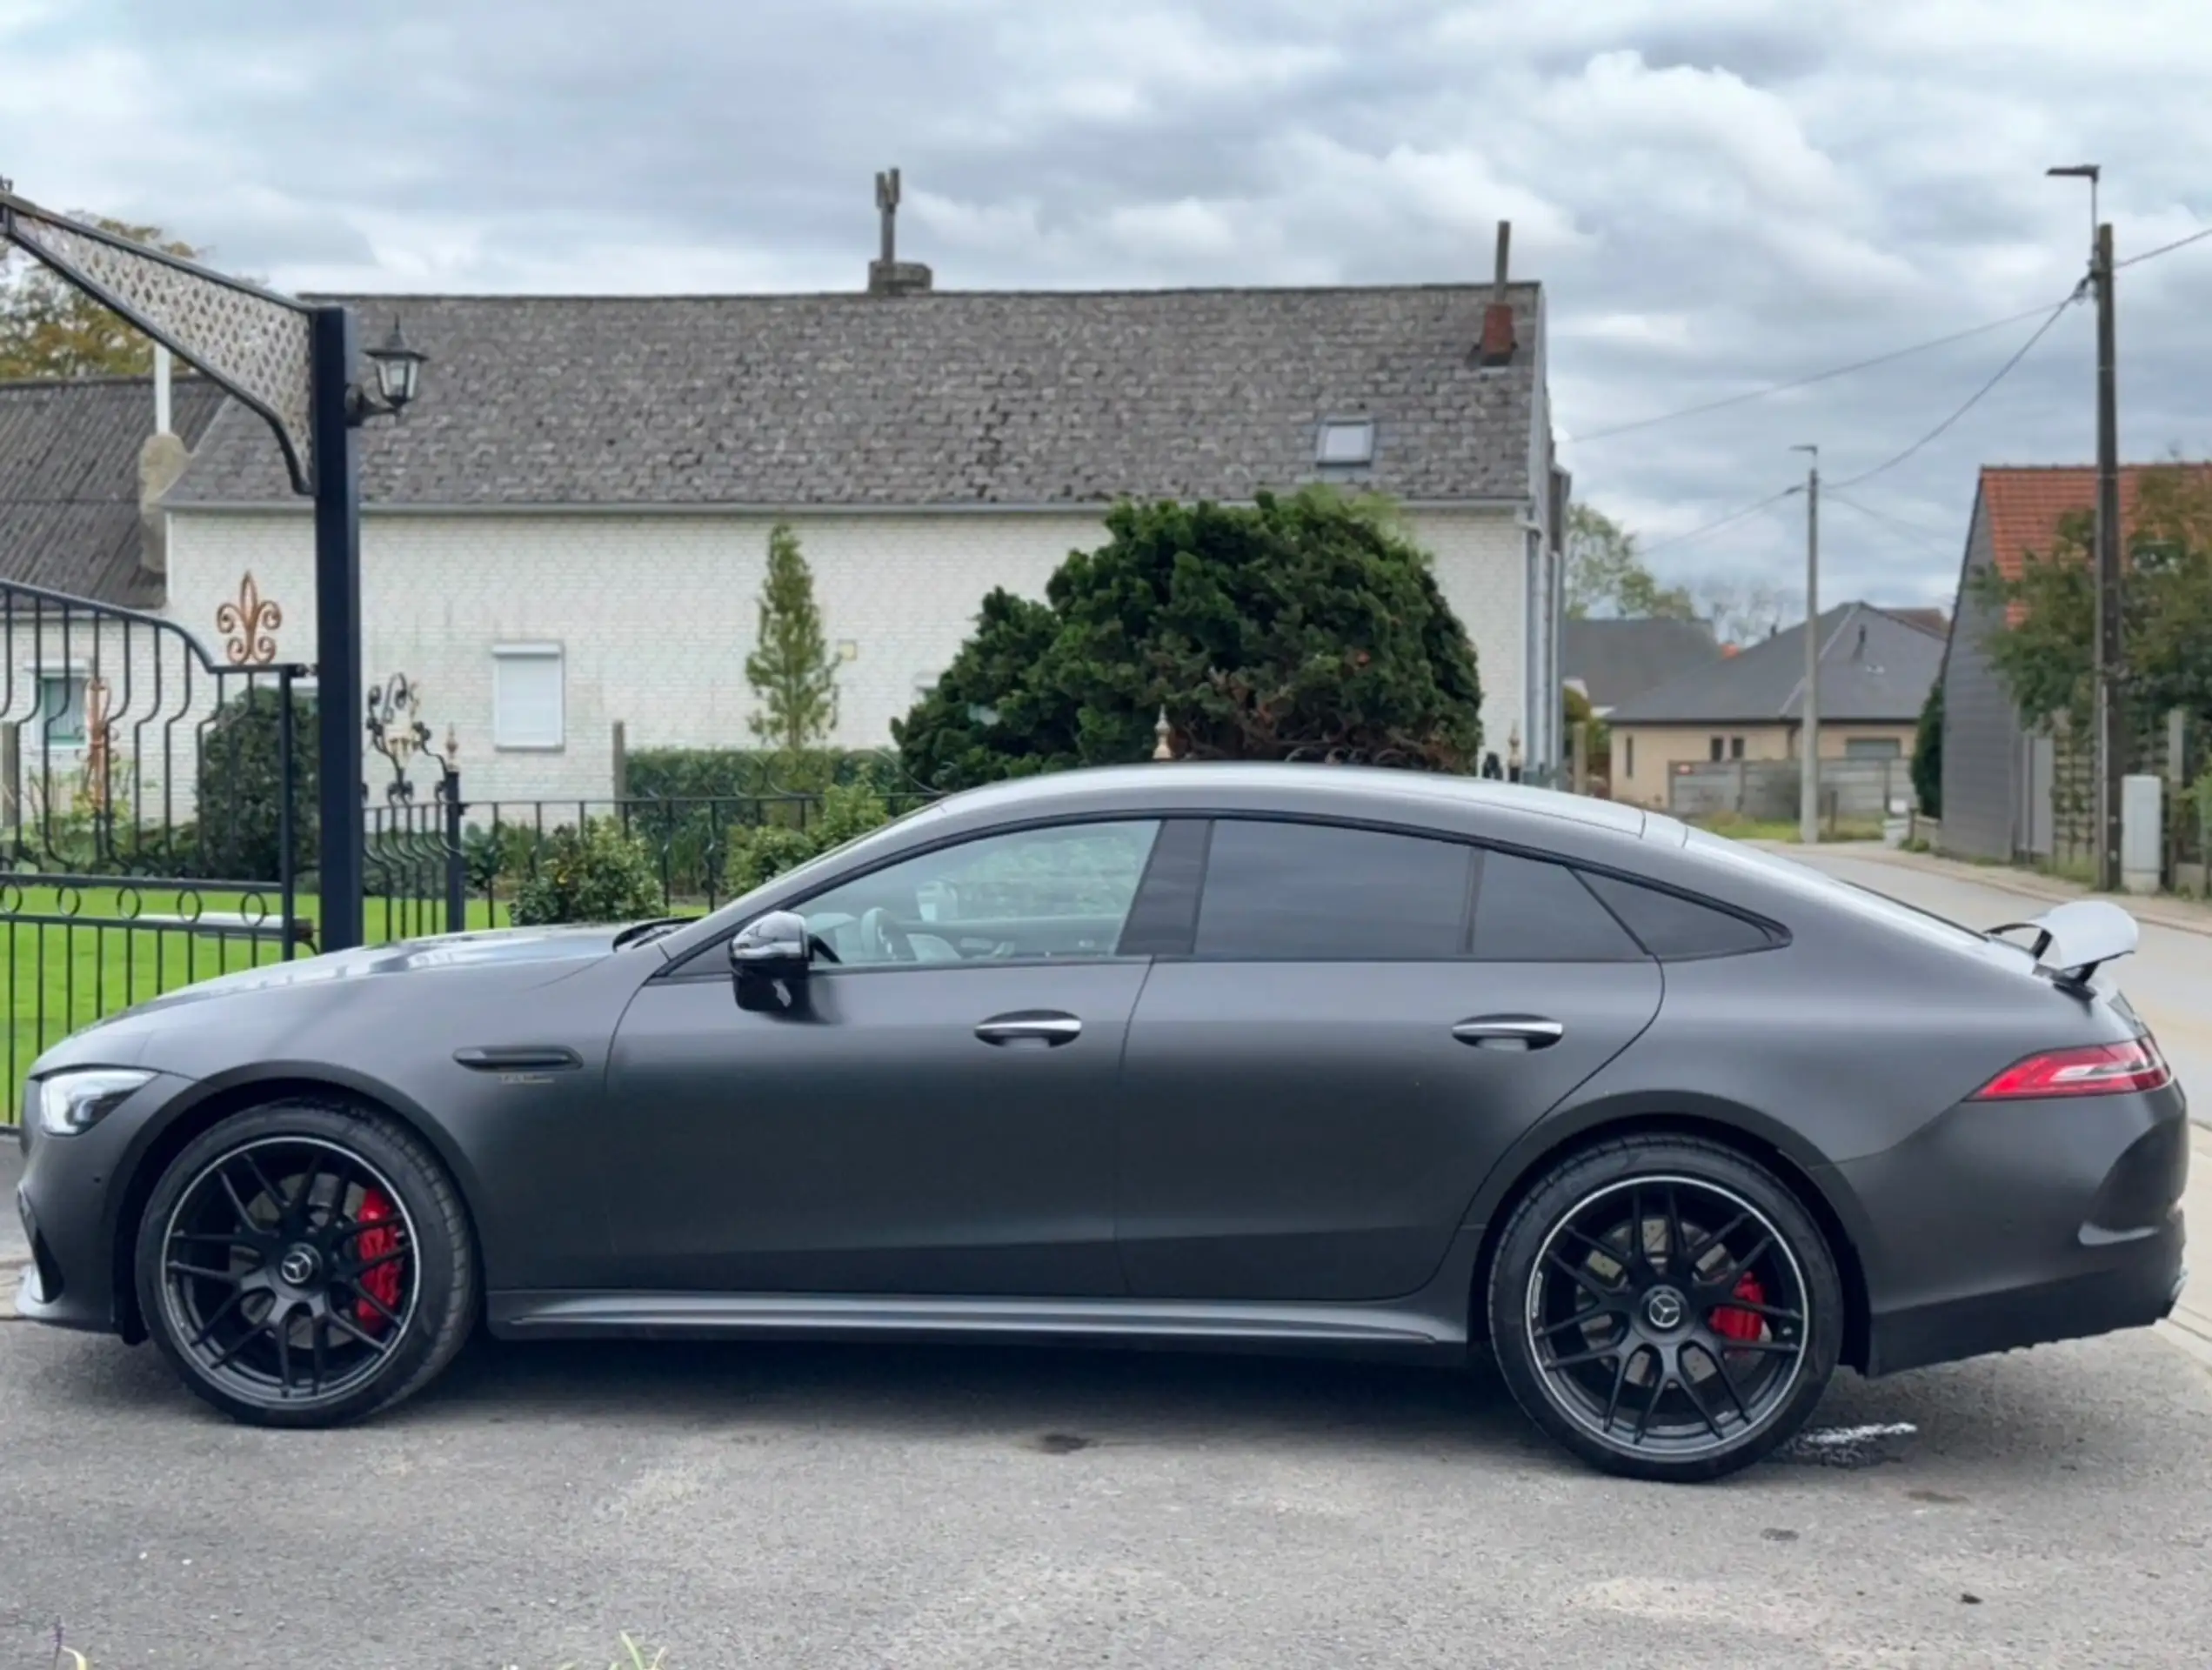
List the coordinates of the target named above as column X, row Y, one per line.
column 621, row 760
column 457, row 868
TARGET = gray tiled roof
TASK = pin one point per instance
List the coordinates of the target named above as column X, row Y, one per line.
column 952, row 397
column 69, row 480
column 1618, row 660
column 1874, row 668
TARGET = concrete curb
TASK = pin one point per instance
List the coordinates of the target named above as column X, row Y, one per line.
column 2144, row 907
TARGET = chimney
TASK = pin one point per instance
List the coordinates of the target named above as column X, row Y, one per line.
column 160, row 460
column 887, row 274
column 1497, row 318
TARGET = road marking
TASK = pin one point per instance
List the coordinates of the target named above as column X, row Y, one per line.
column 1841, row 1438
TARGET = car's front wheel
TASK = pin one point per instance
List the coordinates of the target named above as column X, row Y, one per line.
column 305, row 1264
column 1665, row 1308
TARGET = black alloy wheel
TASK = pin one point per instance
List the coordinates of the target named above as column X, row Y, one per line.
column 1665, row 1308
column 303, row 1265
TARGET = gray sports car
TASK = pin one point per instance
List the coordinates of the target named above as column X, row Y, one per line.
column 1300, row 1057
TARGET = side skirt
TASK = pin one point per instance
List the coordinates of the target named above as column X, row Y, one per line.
column 1357, row 1329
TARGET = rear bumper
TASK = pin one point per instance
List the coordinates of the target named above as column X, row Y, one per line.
column 2002, row 1225
column 2134, row 1294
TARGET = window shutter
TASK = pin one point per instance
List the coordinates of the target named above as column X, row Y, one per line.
column 527, row 705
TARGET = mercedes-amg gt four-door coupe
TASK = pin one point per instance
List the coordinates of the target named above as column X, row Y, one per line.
column 1298, row 1057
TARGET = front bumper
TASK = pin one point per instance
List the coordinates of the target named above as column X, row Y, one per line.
column 2005, row 1225
column 73, row 1193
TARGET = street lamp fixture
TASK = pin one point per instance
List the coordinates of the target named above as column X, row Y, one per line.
column 399, row 369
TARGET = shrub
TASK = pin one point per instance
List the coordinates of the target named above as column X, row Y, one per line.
column 242, row 789
column 1928, row 753
column 1299, row 627
column 760, row 852
column 597, row 872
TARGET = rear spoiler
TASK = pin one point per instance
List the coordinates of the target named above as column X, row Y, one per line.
column 2075, row 939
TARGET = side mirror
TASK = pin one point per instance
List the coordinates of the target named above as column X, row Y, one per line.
column 775, row 947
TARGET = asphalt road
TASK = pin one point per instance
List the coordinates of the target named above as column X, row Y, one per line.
column 832, row 1505
column 2168, row 979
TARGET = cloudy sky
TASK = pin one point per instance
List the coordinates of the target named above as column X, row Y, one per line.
column 1718, row 195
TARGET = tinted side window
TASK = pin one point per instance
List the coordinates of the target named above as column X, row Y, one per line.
column 1672, row 926
column 1311, row 893
column 1063, row 891
column 1526, row 910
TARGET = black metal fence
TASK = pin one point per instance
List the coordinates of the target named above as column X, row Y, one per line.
column 149, row 812
column 689, row 839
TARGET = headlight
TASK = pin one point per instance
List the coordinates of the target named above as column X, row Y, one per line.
column 74, row 1101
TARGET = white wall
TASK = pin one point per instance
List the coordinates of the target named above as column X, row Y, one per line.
column 656, row 612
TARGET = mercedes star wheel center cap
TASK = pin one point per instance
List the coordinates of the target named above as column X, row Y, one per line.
column 1664, row 1308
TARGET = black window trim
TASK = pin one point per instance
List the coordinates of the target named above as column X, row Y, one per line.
column 710, row 961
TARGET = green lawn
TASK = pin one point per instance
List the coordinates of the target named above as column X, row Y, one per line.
column 66, row 965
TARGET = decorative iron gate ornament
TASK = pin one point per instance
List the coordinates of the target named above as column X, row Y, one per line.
column 249, row 624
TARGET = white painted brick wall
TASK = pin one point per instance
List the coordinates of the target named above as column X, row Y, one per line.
column 655, row 613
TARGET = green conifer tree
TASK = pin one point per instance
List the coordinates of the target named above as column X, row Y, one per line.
column 791, row 671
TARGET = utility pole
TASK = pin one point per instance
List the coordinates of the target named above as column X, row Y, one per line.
column 2111, row 746
column 1808, row 773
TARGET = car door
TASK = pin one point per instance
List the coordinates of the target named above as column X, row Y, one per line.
column 934, row 1113
column 1364, row 1022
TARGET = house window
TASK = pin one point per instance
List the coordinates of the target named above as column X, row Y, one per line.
column 1873, row 748
column 1719, row 748
column 58, row 722
column 526, row 705
column 1735, row 747
column 1346, row 441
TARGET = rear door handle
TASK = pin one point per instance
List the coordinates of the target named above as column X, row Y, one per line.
column 1048, row 1027
column 1510, row 1033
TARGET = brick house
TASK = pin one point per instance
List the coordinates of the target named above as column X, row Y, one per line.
column 570, row 528
column 2000, row 774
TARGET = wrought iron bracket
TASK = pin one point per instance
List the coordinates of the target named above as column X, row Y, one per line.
column 398, row 730
column 253, row 343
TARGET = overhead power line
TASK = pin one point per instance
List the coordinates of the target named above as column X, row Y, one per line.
column 1817, row 377
column 1935, row 539
column 1971, row 401
column 2163, row 249
column 1719, row 522
column 1895, row 354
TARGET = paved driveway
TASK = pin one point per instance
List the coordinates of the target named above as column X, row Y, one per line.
column 818, row 1506
column 785, row 1506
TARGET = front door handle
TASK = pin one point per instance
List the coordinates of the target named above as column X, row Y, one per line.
column 1510, row 1033
column 1048, row 1027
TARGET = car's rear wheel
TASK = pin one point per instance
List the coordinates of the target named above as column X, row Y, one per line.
column 305, row 1264
column 1665, row 1308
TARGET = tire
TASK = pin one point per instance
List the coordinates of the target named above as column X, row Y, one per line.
column 285, row 1311
column 1655, row 1366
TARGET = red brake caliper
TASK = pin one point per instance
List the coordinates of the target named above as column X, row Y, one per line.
column 382, row 1283
column 1742, row 1325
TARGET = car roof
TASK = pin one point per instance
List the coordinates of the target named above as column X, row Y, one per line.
column 1297, row 786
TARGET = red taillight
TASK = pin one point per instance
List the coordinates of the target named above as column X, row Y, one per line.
column 2092, row 1070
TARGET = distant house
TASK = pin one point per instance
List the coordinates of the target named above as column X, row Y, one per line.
column 82, row 463
column 1877, row 666
column 1614, row 661
column 569, row 531
column 1998, row 772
